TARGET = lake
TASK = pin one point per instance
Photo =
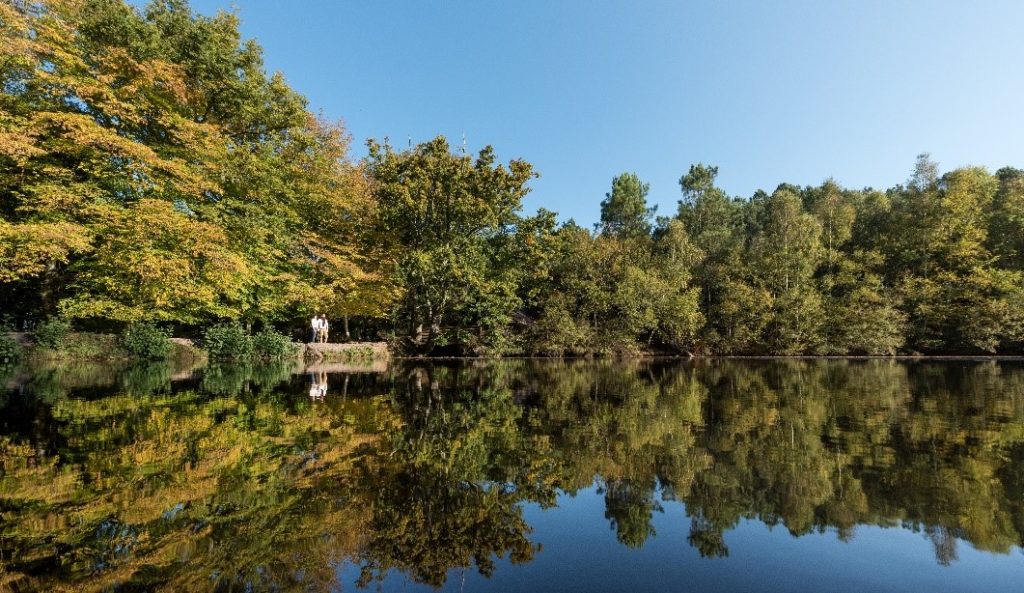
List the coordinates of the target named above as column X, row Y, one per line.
column 517, row 475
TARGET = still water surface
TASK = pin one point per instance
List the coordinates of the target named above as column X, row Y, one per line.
column 515, row 476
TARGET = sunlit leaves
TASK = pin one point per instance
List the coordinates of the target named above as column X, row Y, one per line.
column 448, row 218
column 28, row 249
column 157, row 263
column 150, row 169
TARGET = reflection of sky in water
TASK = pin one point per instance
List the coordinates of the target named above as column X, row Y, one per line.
column 581, row 553
column 818, row 443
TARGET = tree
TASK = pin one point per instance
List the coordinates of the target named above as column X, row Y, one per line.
column 1006, row 231
column 156, row 263
column 836, row 212
column 624, row 211
column 677, row 299
column 712, row 222
column 862, row 314
column 956, row 298
column 108, row 113
column 786, row 254
column 443, row 215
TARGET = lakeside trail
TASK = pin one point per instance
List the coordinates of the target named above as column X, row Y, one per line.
column 346, row 350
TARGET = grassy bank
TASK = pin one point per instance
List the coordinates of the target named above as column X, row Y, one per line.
column 234, row 345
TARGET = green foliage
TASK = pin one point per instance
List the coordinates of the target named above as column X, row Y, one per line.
column 150, row 169
column 359, row 355
column 52, row 333
column 228, row 340
column 449, row 220
column 231, row 341
column 624, row 211
column 146, row 340
column 862, row 315
column 268, row 343
column 92, row 346
column 1006, row 236
column 607, row 295
column 10, row 351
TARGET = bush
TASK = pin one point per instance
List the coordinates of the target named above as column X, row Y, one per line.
column 52, row 333
column 9, row 349
column 146, row 340
column 269, row 343
column 227, row 340
column 90, row 346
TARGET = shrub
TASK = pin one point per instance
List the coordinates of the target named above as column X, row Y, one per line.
column 52, row 333
column 146, row 340
column 227, row 340
column 90, row 346
column 9, row 349
column 269, row 343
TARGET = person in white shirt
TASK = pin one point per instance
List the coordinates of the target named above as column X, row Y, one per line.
column 315, row 325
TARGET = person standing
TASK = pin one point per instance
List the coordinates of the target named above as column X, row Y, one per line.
column 324, row 328
column 315, row 325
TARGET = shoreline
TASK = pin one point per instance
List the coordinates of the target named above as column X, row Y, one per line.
column 376, row 353
column 675, row 357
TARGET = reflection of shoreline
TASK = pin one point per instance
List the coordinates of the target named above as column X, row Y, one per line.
column 377, row 366
column 91, row 374
column 54, row 378
column 427, row 469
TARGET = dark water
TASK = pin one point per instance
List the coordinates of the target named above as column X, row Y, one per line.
column 515, row 476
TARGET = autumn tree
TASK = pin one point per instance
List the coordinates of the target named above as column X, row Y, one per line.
column 151, row 169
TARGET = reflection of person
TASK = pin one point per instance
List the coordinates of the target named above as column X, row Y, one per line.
column 318, row 386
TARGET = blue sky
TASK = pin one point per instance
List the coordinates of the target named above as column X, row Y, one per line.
column 770, row 91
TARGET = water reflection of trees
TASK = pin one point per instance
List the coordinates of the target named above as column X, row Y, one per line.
column 425, row 470
column 447, row 493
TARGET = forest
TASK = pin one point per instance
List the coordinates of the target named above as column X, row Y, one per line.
column 151, row 170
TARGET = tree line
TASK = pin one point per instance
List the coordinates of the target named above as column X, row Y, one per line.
column 150, row 170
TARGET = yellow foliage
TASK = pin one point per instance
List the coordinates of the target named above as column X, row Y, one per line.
column 31, row 248
column 157, row 262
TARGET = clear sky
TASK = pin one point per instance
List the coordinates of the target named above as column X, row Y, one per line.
column 770, row 91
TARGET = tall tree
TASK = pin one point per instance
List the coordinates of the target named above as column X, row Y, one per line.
column 956, row 297
column 786, row 254
column 109, row 114
column 1006, row 231
column 444, row 215
column 713, row 222
column 624, row 211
